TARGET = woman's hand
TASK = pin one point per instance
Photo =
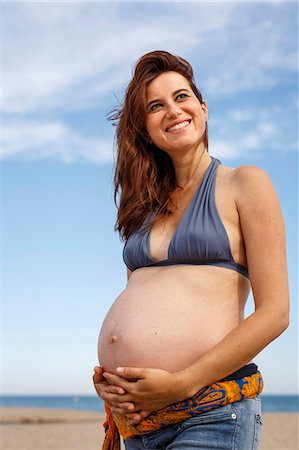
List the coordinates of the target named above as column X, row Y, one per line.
column 104, row 390
column 147, row 389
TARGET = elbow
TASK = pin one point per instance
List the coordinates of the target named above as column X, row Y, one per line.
column 276, row 322
column 282, row 323
column 285, row 318
column 282, row 329
column 285, row 323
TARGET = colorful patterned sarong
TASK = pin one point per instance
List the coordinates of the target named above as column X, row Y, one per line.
column 211, row 397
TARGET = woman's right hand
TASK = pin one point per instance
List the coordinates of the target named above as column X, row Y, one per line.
column 103, row 389
column 102, row 386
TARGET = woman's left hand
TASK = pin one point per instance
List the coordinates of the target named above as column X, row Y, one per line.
column 148, row 389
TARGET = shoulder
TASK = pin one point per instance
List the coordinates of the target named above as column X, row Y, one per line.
column 244, row 175
column 248, row 182
column 255, row 197
column 254, row 188
column 251, row 190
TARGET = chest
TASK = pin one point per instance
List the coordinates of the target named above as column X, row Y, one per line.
column 166, row 231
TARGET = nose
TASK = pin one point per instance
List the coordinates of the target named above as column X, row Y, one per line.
column 173, row 110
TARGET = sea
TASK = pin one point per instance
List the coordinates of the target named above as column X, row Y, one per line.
column 270, row 403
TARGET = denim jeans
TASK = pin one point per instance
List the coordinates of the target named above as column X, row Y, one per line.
column 236, row 426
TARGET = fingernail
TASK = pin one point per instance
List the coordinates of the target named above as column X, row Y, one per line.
column 104, row 375
column 120, row 369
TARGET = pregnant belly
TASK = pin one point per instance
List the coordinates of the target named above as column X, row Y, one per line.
column 163, row 323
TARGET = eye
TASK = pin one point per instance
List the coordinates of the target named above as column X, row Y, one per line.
column 155, row 106
column 181, row 96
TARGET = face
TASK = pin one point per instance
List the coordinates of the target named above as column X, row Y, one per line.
column 175, row 118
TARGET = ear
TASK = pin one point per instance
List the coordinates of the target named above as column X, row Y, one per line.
column 204, row 107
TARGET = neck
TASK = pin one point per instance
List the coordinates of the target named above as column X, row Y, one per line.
column 191, row 168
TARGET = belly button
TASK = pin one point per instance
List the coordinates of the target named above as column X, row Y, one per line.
column 113, row 339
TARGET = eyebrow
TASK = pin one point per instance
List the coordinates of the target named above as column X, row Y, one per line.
column 174, row 93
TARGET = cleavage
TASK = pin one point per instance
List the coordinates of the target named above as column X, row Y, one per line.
column 162, row 233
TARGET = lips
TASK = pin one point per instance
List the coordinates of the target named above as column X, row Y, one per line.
column 178, row 125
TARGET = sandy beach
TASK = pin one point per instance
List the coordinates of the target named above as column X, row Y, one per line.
column 43, row 429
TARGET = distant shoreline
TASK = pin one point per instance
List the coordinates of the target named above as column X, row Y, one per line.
column 49, row 428
column 270, row 403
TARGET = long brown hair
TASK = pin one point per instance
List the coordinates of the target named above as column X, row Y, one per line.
column 143, row 172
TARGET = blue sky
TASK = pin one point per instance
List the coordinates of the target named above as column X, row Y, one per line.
column 65, row 66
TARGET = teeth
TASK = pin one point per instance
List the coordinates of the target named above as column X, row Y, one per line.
column 178, row 126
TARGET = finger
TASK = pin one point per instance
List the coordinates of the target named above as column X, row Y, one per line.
column 131, row 372
column 132, row 415
column 118, row 400
column 116, row 380
column 115, row 398
column 125, row 407
column 134, row 418
column 97, row 379
column 100, row 387
column 118, row 410
column 114, row 389
column 121, row 408
column 144, row 414
column 98, row 374
column 106, row 387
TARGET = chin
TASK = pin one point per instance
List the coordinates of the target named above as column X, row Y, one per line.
column 184, row 144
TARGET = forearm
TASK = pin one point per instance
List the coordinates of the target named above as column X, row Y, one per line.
column 157, row 388
column 234, row 351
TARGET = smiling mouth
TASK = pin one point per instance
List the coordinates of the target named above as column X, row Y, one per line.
column 178, row 126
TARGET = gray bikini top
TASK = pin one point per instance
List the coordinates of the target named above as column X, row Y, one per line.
column 199, row 239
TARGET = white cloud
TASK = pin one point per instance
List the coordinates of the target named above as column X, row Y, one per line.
column 70, row 57
column 67, row 57
column 159, row 1
column 240, row 115
column 253, row 132
column 32, row 139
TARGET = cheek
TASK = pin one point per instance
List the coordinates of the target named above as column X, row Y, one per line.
column 148, row 126
column 152, row 127
column 200, row 121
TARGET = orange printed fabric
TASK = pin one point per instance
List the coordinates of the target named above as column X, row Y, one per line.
column 211, row 397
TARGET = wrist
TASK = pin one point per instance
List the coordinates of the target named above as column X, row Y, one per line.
column 186, row 385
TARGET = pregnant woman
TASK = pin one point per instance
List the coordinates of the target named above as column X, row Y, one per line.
column 175, row 351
